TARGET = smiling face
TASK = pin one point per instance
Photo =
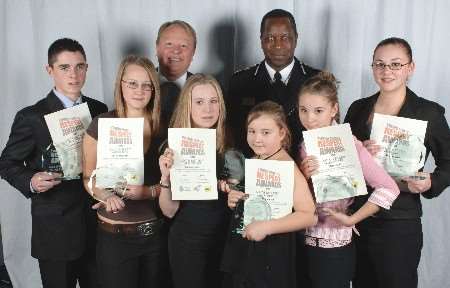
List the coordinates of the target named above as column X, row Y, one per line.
column 278, row 42
column 316, row 111
column 68, row 73
column 387, row 79
column 205, row 107
column 136, row 98
column 264, row 136
column 175, row 50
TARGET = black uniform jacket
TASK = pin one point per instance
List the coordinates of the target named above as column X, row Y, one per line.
column 437, row 141
column 58, row 215
column 253, row 85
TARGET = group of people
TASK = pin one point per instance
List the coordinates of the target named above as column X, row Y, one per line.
column 143, row 238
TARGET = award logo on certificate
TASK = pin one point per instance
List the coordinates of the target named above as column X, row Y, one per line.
column 66, row 128
column 120, row 156
column 339, row 175
column 193, row 174
column 401, row 140
column 270, row 186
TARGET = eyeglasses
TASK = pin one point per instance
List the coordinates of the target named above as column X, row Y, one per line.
column 133, row 84
column 393, row 66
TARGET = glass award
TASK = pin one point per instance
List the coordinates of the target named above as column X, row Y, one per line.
column 50, row 162
column 113, row 179
column 233, row 173
column 404, row 157
column 334, row 187
column 256, row 208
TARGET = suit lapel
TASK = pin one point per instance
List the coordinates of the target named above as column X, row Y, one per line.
column 409, row 106
column 53, row 102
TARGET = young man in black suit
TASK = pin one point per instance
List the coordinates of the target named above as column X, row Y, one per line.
column 59, row 209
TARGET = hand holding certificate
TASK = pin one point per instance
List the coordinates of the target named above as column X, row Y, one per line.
column 270, row 186
column 66, row 128
column 401, row 141
column 193, row 174
column 340, row 175
column 120, row 157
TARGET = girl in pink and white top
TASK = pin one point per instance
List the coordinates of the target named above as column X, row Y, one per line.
column 330, row 253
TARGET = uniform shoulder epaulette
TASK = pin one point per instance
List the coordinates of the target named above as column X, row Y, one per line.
column 256, row 66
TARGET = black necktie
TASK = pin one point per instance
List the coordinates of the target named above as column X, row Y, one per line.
column 278, row 89
column 278, row 78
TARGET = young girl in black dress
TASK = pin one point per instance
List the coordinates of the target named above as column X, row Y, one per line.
column 264, row 255
column 198, row 229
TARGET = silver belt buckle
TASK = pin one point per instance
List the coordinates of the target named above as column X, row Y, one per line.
column 145, row 229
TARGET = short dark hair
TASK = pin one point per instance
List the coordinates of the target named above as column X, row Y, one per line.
column 279, row 13
column 395, row 41
column 61, row 45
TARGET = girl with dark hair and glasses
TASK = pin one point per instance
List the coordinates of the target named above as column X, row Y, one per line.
column 391, row 242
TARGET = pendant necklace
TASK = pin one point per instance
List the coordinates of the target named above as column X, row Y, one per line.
column 271, row 154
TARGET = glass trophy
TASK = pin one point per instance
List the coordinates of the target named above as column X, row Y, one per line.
column 404, row 157
column 50, row 162
column 330, row 188
column 256, row 209
column 112, row 180
column 234, row 173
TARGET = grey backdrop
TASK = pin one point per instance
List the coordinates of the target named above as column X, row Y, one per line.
column 334, row 35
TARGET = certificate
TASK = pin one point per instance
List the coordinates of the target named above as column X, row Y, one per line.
column 120, row 152
column 193, row 174
column 401, row 140
column 339, row 175
column 66, row 128
column 270, row 186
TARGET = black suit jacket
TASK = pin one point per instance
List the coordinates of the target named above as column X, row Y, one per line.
column 59, row 221
column 169, row 98
column 253, row 85
column 437, row 139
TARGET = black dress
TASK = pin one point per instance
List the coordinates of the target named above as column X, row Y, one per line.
column 196, row 239
column 267, row 263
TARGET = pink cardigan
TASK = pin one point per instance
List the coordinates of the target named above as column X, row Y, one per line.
column 384, row 194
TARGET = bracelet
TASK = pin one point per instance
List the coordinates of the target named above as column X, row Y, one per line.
column 163, row 185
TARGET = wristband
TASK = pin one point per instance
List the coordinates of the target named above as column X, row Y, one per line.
column 163, row 185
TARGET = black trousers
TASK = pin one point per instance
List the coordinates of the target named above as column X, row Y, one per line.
column 330, row 267
column 195, row 257
column 132, row 261
column 61, row 274
column 388, row 253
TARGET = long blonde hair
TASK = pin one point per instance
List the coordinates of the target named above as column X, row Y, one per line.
column 181, row 117
column 153, row 108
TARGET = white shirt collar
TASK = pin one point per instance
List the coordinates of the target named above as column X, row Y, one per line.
column 285, row 72
column 179, row 82
column 67, row 102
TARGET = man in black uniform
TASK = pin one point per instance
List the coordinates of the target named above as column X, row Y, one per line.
column 277, row 78
column 60, row 210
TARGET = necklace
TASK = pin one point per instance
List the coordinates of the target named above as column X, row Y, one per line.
column 271, row 154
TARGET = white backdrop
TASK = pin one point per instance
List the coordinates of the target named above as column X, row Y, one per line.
column 335, row 35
